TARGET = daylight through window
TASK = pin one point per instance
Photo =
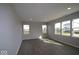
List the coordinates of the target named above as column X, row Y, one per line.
column 26, row 29
column 75, row 28
column 57, row 28
column 44, row 28
column 66, row 28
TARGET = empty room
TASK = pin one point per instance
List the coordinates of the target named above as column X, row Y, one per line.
column 39, row 28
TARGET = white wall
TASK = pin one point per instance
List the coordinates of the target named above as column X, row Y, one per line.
column 10, row 30
column 35, row 30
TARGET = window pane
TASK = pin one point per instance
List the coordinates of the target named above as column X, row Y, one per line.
column 66, row 28
column 75, row 28
column 57, row 28
column 44, row 28
column 26, row 29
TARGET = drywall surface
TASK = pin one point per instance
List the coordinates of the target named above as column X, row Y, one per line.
column 35, row 30
column 65, row 39
column 10, row 30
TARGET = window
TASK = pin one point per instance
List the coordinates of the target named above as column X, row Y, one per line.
column 44, row 28
column 26, row 29
column 66, row 28
column 75, row 28
column 57, row 28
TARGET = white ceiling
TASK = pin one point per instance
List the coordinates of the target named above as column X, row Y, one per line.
column 43, row 12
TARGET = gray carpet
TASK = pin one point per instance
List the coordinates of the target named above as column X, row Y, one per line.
column 40, row 47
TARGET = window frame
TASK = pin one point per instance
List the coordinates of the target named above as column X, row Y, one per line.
column 26, row 31
column 62, row 27
column 44, row 32
column 72, row 28
column 55, row 28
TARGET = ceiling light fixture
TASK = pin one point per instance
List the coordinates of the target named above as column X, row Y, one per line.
column 68, row 8
column 30, row 18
